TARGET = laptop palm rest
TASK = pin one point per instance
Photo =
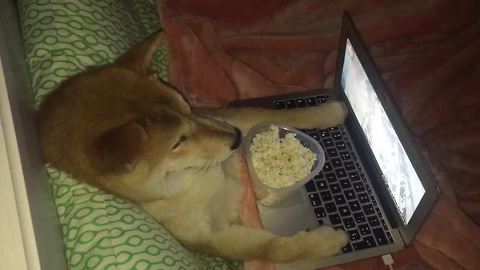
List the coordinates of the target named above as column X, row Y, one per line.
column 289, row 217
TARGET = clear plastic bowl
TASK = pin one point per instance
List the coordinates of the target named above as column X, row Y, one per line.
column 270, row 196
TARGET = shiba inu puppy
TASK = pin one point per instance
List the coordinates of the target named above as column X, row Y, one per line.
column 128, row 133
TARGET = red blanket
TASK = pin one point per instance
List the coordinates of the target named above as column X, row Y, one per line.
column 428, row 52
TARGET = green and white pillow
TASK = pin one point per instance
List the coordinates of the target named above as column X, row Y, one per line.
column 100, row 231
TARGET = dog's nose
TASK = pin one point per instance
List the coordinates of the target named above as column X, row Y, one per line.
column 238, row 139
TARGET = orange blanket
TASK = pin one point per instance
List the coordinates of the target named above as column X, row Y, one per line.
column 428, row 52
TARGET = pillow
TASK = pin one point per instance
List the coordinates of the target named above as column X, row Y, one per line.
column 62, row 38
column 100, row 231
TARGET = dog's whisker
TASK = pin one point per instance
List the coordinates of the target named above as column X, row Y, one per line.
column 208, row 166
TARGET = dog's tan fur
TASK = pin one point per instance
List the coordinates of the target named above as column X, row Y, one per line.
column 126, row 132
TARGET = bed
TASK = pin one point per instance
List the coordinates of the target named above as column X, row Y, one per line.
column 428, row 53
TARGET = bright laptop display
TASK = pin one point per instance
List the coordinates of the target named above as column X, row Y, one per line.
column 398, row 172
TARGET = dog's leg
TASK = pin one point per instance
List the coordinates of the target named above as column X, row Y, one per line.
column 244, row 243
column 324, row 116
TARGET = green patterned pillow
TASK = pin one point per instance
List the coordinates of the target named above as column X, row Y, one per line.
column 100, row 231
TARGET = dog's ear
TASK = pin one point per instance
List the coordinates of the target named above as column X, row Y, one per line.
column 139, row 57
column 119, row 149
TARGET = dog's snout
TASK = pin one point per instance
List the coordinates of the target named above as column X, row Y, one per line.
column 238, row 139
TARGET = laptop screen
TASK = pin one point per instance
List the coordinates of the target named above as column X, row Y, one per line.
column 398, row 172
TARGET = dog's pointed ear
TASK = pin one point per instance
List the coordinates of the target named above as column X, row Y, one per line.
column 139, row 57
column 119, row 149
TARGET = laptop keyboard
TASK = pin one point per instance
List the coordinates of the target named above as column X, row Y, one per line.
column 340, row 194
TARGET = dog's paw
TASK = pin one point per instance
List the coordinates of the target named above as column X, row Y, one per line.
column 324, row 116
column 327, row 242
column 337, row 112
column 319, row 243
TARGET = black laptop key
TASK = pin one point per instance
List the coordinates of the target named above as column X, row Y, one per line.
column 327, row 167
column 332, row 152
column 290, row 104
column 364, row 229
column 369, row 241
column 344, row 211
column 390, row 238
column 320, row 212
column 326, row 196
column 341, row 145
column 349, row 222
column 335, row 219
column 354, row 235
column 341, row 173
column 328, row 142
column 315, row 199
column 310, row 186
column 354, row 176
column 349, row 194
column 335, row 188
column 369, row 189
column 315, row 137
column 363, row 197
column 345, row 183
column 311, row 101
column 380, row 236
column 336, row 162
column 354, row 206
column 359, row 217
column 379, row 213
column 300, row 103
column 359, row 167
column 330, row 207
column 321, row 185
column 360, row 245
column 374, row 202
column 322, row 99
column 324, row 133
column 337, row 135
column 384, row 224
column 330, row 177
column 279, row 105
column 368, row 209
column 358, row 186
column 339, row 199
column 350, row 166
column 319, row 176
column 373, row 221
column 347, row 249
column 345, row 156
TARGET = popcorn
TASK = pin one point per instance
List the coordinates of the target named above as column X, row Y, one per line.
column 280, row 162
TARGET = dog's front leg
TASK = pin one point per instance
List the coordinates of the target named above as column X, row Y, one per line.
column 324, row 116
column 244, row 243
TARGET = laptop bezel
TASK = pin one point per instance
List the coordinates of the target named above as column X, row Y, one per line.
column 408, row 230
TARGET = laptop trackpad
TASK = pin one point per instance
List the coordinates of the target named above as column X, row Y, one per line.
column 291, row 216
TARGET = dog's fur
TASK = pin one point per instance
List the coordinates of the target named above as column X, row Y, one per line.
column 128, row 133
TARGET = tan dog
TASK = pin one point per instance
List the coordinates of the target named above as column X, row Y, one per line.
column 126, row 132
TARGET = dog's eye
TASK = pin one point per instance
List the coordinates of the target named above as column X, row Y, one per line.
column 181, row 140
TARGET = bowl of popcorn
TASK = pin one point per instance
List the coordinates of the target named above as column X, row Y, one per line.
column 280, row 160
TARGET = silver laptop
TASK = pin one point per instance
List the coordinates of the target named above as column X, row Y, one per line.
column 374, row 184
